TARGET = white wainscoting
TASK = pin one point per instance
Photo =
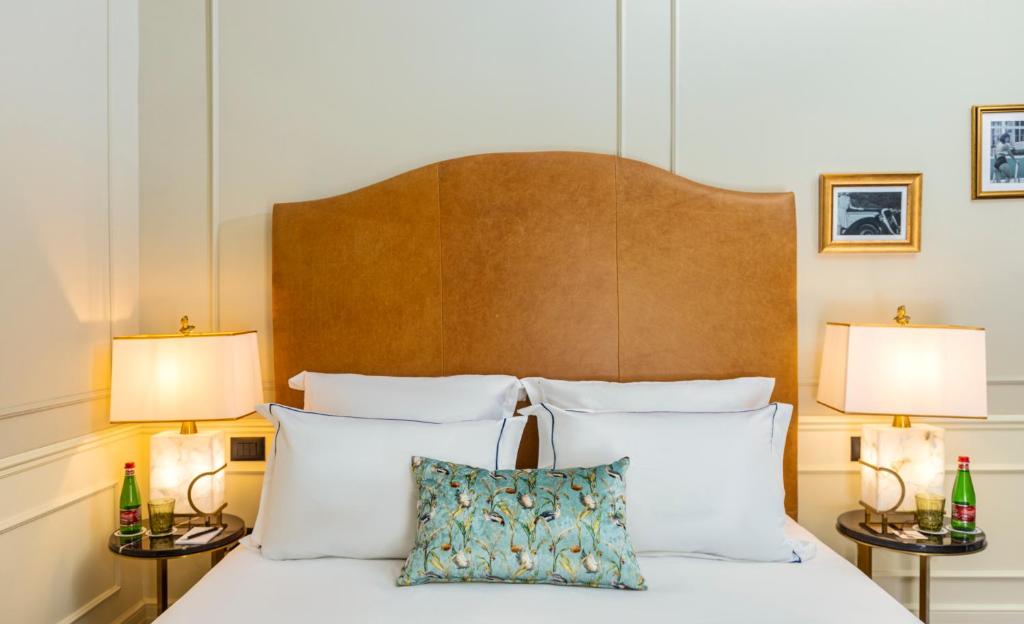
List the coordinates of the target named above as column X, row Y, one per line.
column 59, row 506
column 984, row 588
column 68, row 280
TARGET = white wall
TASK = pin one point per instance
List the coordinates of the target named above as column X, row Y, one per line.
column 738, row 93
column 68, row 281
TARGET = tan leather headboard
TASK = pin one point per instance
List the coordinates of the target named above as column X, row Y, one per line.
column 560, row 264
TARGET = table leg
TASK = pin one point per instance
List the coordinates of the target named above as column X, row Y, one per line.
column 924, row 582
column 216, row 556
column 161, row 585
column 864, row 559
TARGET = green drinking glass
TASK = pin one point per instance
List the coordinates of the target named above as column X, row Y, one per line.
column 161, row 516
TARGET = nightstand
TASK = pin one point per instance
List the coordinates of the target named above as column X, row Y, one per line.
column 852, row 526
column 160, row 549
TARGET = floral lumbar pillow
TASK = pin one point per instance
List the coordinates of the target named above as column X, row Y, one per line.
column 564, row 527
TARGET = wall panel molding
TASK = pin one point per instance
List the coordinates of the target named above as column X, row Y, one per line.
column 992, row 381
column 645, row 81
column 143, row 611
column 852, row 468
column 53, row 403
column 28, row 460
column 978, row 574
column 27, row 517
column 853, row 422
column 80, row 612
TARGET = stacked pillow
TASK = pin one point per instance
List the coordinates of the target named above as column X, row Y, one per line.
column 704, row 459
column 341, row 485
column 350, row 458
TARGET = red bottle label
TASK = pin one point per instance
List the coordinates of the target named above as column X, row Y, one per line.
column 131, row 517
column 963, row 513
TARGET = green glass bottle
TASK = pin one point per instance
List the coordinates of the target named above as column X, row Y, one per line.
column 962, row 516
column 131, row 503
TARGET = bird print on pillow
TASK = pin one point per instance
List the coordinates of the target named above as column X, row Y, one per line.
column 562, row 527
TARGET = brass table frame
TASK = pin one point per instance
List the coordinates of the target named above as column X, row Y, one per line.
column 216, row 554
column 161, row 570
column 924, row 580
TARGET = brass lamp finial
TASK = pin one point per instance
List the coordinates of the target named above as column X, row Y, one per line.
column 901, row 317
column 188, row 427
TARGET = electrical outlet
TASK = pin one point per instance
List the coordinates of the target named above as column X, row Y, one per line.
column 854, row 448
column 248, row 449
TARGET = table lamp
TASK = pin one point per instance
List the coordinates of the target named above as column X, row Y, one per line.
column 186, row 377
column 903, row 370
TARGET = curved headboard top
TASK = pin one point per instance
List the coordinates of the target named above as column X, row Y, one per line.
column 566, row 265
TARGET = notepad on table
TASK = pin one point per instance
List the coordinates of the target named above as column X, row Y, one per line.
column 198, row 535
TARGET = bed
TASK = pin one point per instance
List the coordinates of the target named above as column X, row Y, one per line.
column 246, row 588
column 555, row 264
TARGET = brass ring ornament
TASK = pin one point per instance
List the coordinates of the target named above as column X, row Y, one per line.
column 217, row 512
column 899, row 479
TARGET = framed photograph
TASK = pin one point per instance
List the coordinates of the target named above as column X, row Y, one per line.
column 870, row 212
column 997, row 153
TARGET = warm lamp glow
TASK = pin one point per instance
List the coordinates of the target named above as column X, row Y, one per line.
column 177, row 459
column 903, row 370
column 185, row 377
column 916, row 453
column 913, row 370
column 181, row 377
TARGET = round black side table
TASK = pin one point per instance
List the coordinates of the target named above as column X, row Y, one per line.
column 160, row 549
column 852, row 525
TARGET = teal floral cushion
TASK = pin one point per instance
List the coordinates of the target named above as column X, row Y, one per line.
column 564, row 527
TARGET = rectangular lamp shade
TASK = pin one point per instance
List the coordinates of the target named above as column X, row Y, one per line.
column 910, row 370
column 178, row 377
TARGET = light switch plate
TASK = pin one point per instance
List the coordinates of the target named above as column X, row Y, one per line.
column 248, row 449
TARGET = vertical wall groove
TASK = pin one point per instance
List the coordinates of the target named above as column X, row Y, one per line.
column 110, row 209
column 212, row 164
column 618, row 76
column 673, row 80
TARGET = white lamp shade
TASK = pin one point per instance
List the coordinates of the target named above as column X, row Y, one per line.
column 912, row 370
column 179, row 377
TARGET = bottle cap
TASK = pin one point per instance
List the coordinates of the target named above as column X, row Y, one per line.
column 129, row 464
column 963, row 459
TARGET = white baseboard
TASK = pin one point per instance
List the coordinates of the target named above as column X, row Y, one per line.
column 954, row 613
column 142, row 612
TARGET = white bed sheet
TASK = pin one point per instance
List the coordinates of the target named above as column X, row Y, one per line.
column 246, row 588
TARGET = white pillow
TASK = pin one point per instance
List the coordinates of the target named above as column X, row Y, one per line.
column 699, row 483
column 427, row 399
column 437, row 399
column 726, row 395
column 343, row 487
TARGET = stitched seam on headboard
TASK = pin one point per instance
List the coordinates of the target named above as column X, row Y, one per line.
column 440, row 258
column 618, row 299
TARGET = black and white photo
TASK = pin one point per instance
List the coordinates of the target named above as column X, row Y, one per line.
column 998, row 161
column 870, row 212
column 866, row 213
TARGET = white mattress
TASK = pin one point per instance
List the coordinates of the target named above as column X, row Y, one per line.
column 246, row 588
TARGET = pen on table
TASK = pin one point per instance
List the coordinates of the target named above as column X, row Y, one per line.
column 203, row 532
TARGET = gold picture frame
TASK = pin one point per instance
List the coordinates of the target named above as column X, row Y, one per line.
column 870, row 213
column 987, row 150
